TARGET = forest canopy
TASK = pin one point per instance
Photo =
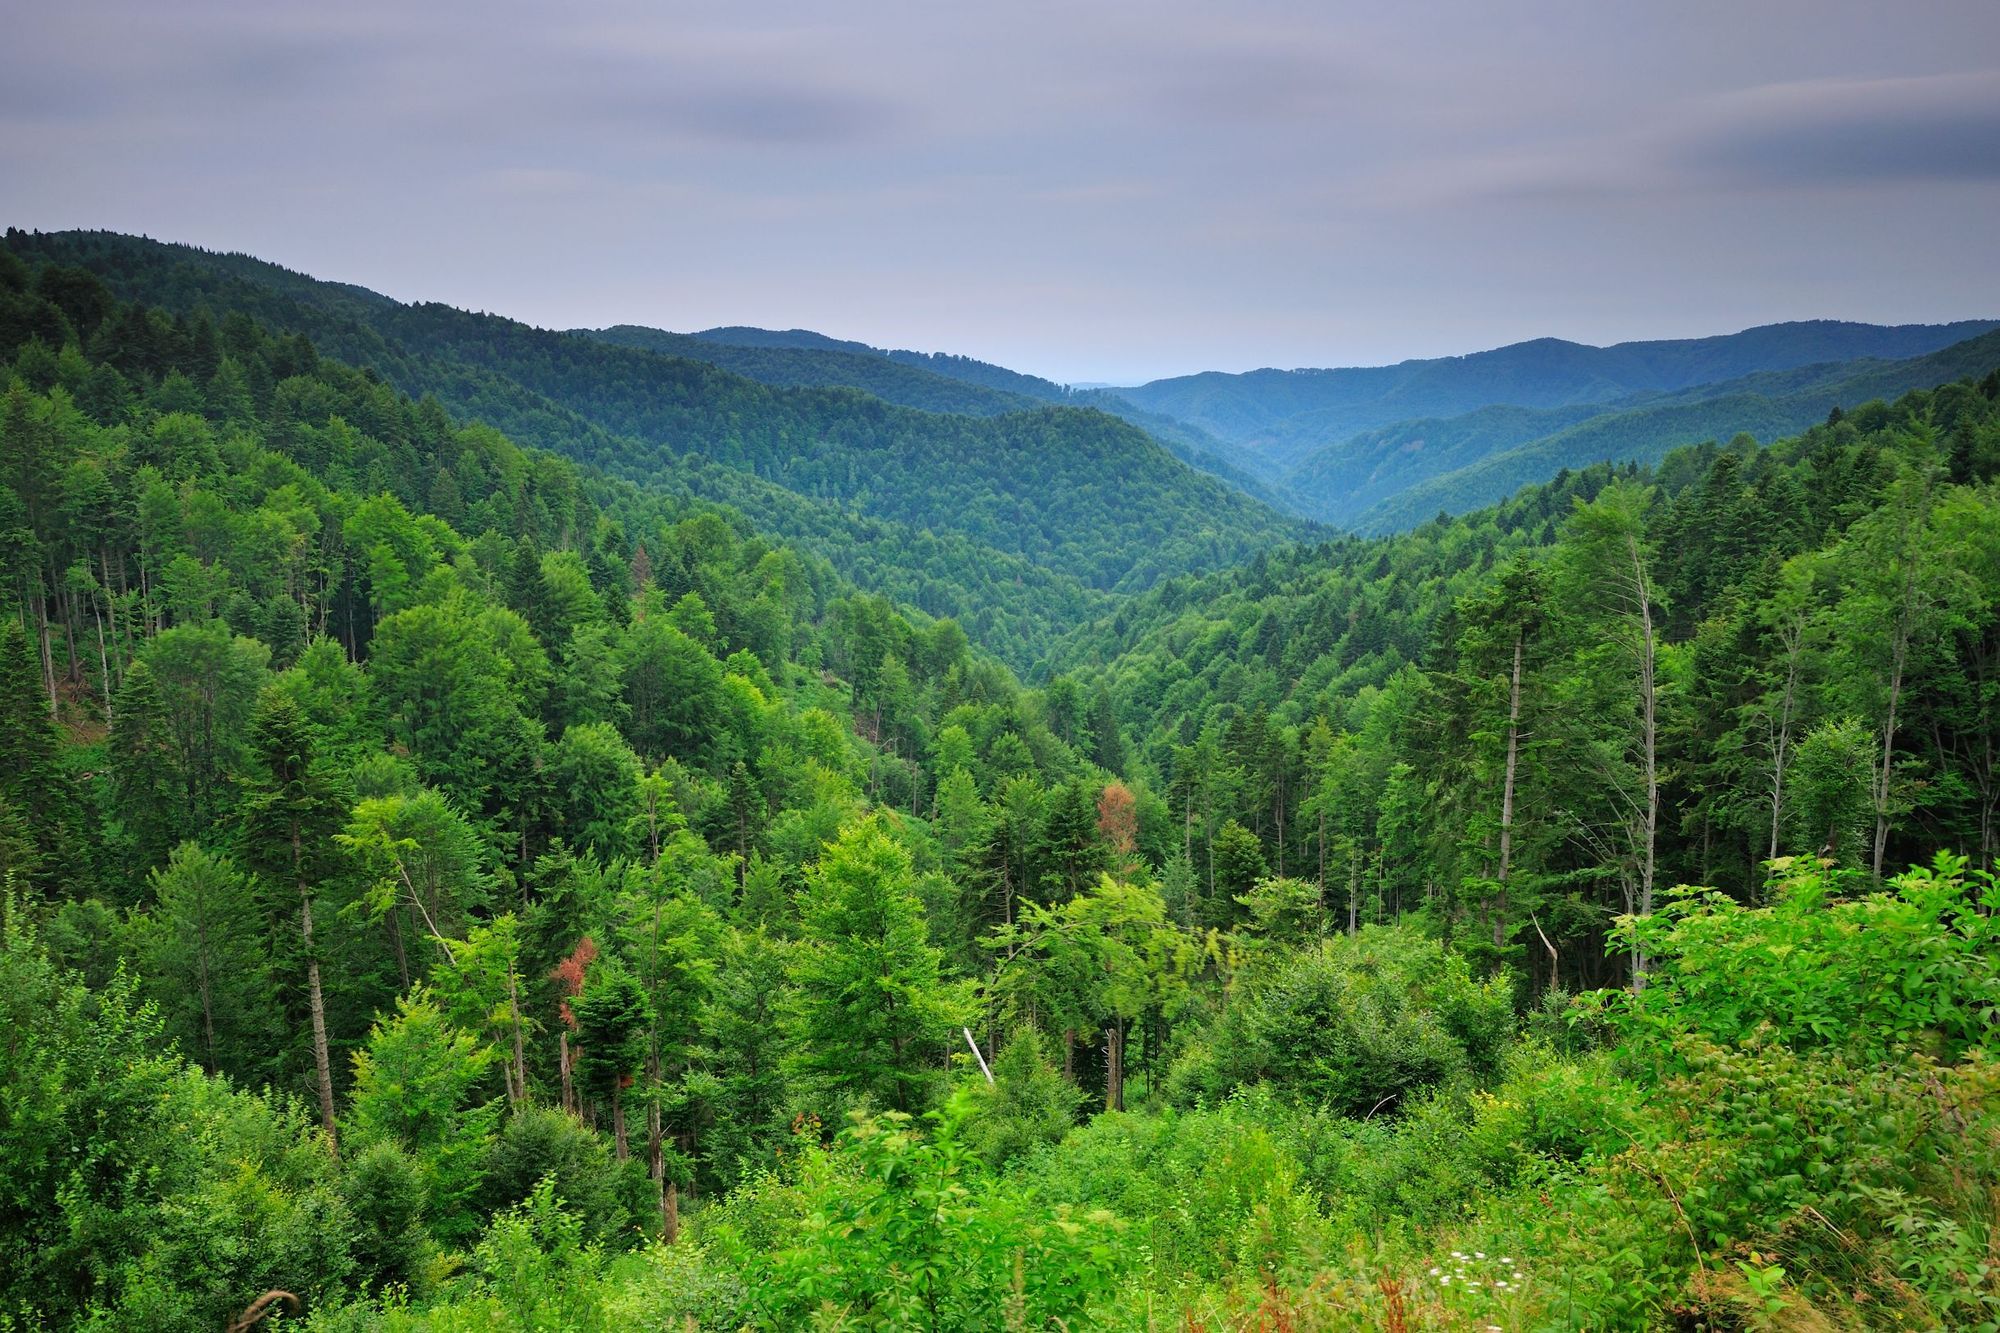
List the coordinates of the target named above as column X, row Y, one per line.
column 448, row 882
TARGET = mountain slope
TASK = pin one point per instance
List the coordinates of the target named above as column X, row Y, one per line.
column 1765, row 406
column 934, row 382
column 965, row 369
column 1341, row 481
column 1084, row 498
column 835, row 365
column 1264, row 408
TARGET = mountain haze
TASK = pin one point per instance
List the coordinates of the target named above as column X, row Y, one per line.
column 1397, row 475
column 1260, row 407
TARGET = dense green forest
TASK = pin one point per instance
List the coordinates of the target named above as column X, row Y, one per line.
column 449, row 883
column 840, row 365
column 1012, row 524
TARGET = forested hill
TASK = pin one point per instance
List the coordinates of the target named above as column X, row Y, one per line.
column 936, row 382
column 1082, row 495
column 1545, row 372
column 1833, row 597
column 443, row 887
column 835, row 364
column 966, row 369
column 1396, row 477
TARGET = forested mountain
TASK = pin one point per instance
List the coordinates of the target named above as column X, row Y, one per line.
column 445, row 884
column 966, row 369
column 1254, row 407
column 1077, row 493
column 1869, row 538
column 851, row 366
column 936, row 382
column 1394, row 478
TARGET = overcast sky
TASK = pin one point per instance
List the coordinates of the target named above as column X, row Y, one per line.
column 1089, row 191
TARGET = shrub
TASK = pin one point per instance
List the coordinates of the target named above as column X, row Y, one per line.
column 1356, row 1025
column 1916, row 965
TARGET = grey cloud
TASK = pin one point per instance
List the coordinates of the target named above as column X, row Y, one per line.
column 1101, row 189
column 744, row 109
column 1844, row 131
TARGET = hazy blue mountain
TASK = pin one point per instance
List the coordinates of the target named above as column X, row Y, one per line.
column 1266, row 409
column 1341, row 481
column 1766, row 406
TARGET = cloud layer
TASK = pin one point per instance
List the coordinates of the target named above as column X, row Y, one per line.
column 1104, row 190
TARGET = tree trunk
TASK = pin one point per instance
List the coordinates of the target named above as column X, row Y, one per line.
column 42, row 637
column 1650, row 727
column 1353, row 891
column 618, row 1119
column 103, row 660
column 520, row 1059
column 656, row 1160
column 395, row 915
column 1507, row 796
column 1322, row 856
column 1781, row 736
column 1881, row 794
column 562, row 1063
column 1114, row 1065
column 111, row 608
column 322, row 1060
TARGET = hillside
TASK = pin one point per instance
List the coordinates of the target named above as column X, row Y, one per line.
column 1081, row 495
column 1764, row 406
column 1265, row 408
column 826, row 363
column 965, row 369
column 448, row 887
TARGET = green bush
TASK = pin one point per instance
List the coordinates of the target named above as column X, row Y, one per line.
column 1913, row 966
column 891, row 1229
column 540, row 1142
column 1029, row 1104
column 1356, row 1025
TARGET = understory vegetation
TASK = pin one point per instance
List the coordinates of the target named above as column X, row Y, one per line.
column 443, row 886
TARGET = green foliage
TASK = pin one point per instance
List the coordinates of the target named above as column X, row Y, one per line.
column 202, row 951
column 1356, row 1025
column 615, row 849
column 895, row 1229
column 873, row 1008
column 1028, row 1105
column 1912, row 967
column 416, row 1086
column 540, row 1145
column 137, row 1190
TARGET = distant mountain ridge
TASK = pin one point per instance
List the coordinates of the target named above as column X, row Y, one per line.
column 815, row 361
column 1253, row 408
column 966, row 369
column 1765, row 405
column 931, row 381
column 1015, row 521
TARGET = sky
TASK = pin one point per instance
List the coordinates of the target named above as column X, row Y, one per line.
column 1088, row 191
